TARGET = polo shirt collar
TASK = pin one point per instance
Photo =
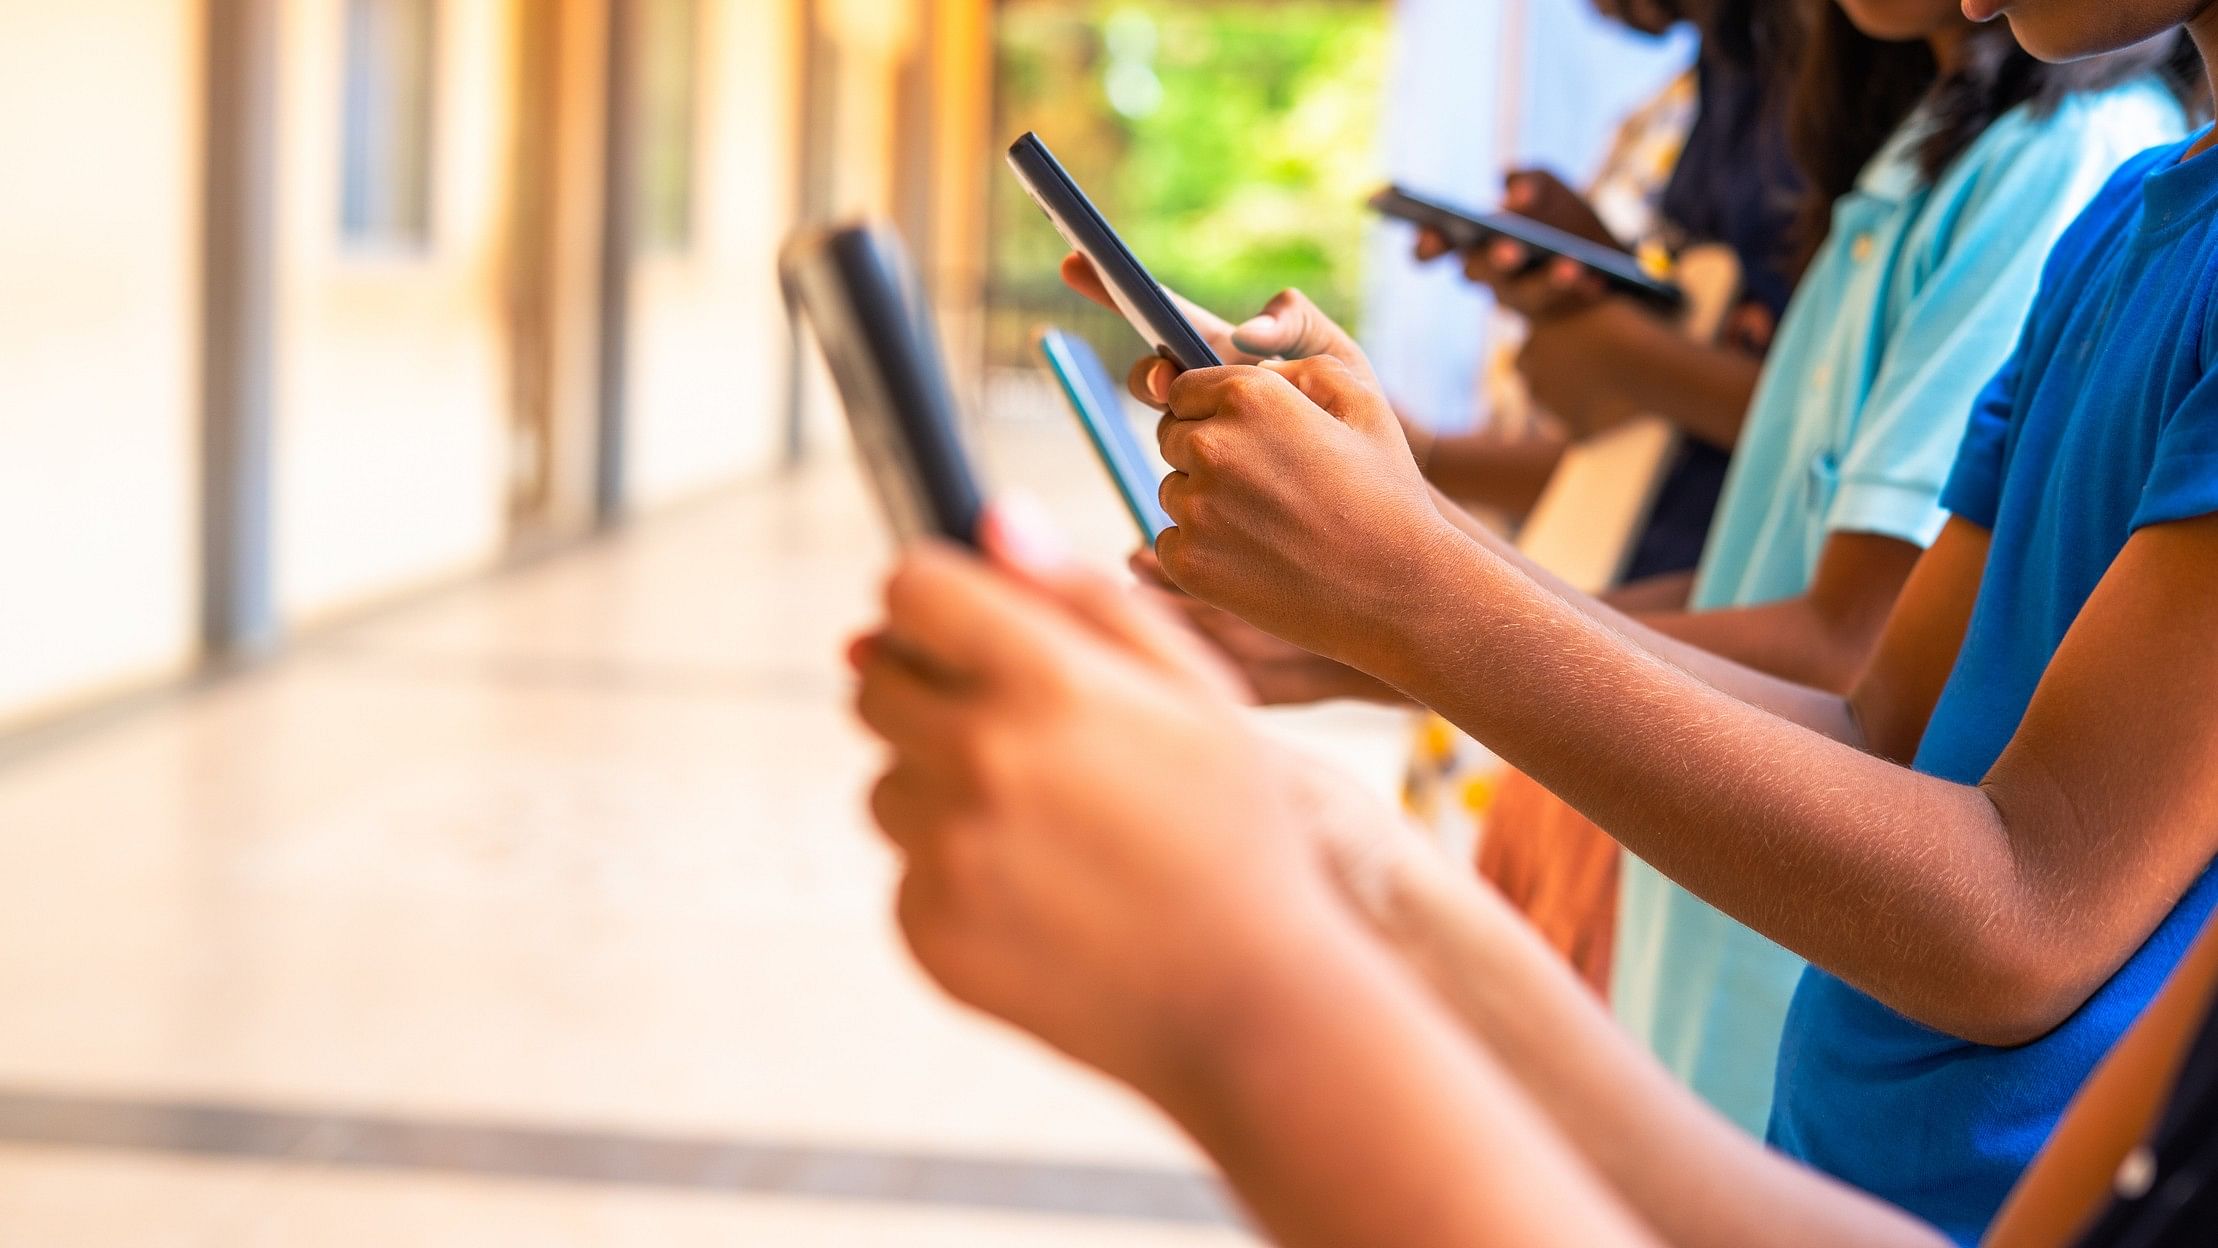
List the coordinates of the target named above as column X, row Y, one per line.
column 2178, row 191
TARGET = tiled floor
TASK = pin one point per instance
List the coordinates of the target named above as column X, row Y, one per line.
column 539, row 912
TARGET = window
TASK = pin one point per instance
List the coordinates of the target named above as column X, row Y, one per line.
column 669, row 42
column 385, row 196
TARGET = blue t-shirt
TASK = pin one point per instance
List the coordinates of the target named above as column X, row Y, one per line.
column 1914, row 300
column 2105, row 420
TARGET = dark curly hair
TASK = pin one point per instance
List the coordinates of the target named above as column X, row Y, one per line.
column 1851, row 92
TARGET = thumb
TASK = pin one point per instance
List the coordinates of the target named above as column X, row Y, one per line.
column 1018, row 538
column 1290, row 327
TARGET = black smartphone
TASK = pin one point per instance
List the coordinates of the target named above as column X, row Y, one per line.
column 856, row 288
column 1466, row 228
column 1146, row 305
column 1094, row 399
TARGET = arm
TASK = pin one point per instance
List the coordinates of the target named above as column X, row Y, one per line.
column 1654, row 368
column 1815, row 709
column 1345, row 1109
column 1689, row 1173
column 1503, row 472
column 1098, row 849
column 1822, row 638
column 1987, row 910
column 1660, row 594
column 1990, row 911
column 2071, row 1179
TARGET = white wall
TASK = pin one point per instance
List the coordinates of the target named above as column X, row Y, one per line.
column 391, row 385
column 99, row 290
column 708, row 336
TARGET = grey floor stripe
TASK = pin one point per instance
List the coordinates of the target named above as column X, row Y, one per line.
column 612, row 1158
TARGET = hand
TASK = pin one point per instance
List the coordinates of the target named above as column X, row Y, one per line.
column 1521, row 280
column 1289, row 327
column 1098, row 847
column 1541, row 196
column 1296, row 504
column 1564, row 364
column 1276, row 672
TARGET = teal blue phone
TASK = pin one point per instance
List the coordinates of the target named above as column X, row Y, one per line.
column 1100, row 409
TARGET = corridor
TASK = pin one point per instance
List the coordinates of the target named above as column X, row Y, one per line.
column 539, row 910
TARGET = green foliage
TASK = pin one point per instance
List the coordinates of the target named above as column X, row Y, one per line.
column 1231, row 142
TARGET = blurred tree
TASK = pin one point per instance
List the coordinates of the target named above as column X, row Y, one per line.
column 1231, row 143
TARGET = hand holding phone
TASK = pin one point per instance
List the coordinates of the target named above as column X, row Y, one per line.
column 1289, row 327
column 1145, row 305
column 1465, row 229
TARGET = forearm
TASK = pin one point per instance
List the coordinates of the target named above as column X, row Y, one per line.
column 1345, row 1109
column 1501, row 472
column 1691, row 1175
column 1791, row 639
column 1666, row 591
column 1906, row 885
column 1705, row 390
column 1816, row 709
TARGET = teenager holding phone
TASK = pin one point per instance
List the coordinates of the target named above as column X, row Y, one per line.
column 1925, row 254
column 1911, row 301
column 1995, row 845
column 1375, row 1050
column 1707, row 163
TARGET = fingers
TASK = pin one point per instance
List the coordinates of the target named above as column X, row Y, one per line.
column 1555, row 288
column 1150, row 380
column 1173, row 495
column 1014, row 534
column 904, row 805
column 1431, row 243
column 1199, row 393
column 1277, row 387
column 953, row 615
column 902, row 702
column 1078, row 274
column 1324, row 382
column 1497, row 262
column 1521, row 191
column 1150, row 573
column 1290, row 327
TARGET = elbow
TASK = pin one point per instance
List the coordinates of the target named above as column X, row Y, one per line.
column 2015, row 990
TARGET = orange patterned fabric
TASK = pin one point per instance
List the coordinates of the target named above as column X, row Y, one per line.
column 1556, row 867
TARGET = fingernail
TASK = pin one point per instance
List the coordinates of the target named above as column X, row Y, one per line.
column 1025, row 535
column 1159, row 383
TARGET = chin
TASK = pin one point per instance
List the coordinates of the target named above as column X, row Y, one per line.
column 2071, row 30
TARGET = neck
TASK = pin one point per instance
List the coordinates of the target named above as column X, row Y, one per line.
column 1948, row 45
column 2203, row 29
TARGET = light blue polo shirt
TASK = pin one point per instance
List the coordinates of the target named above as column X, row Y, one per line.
column 1908, row 309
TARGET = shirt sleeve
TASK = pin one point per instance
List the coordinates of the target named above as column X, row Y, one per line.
column 1974, row 489
column 1960, row 326
column 2183, row 477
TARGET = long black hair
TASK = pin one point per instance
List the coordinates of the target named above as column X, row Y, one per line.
column 1852, row 92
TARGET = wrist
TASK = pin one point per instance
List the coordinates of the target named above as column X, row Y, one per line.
column 1296, row 964
column 1408, row 631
